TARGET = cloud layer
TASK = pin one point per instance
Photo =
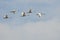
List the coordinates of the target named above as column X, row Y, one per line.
column 48, row 30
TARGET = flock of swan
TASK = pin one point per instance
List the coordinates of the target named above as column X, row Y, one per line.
column 23, row 14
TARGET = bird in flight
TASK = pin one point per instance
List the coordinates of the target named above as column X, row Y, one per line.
column 13, row 11
column 5, row 17
column 23, row 14
column 40, row 14
column 30, row 11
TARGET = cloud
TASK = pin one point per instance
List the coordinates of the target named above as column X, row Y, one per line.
column 40, row 30
column 48, row 30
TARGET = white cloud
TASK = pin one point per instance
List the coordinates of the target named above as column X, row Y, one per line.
column 48, row 30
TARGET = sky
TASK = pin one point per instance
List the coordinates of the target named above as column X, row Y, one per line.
column 31, row 27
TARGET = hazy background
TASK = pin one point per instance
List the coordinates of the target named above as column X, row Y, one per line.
column 31, row 27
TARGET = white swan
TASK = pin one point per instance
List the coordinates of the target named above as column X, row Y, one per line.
column 23, row 14
column 40, row 14
column 13, row 11
column 30, row 11
column 5, row 17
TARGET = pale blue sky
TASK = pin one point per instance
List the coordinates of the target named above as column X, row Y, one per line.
column 47, row 7
column 31, row 27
